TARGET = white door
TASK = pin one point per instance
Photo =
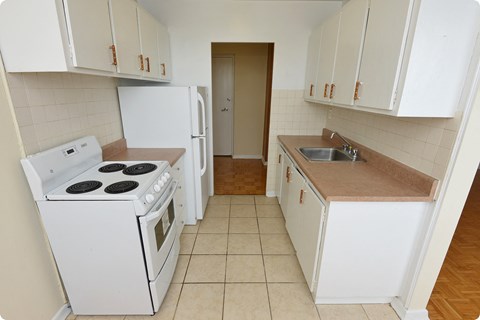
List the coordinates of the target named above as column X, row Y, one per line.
column 223, row 88
column 164, row 53
column 91, row 39
column 312, row 63
column 148, row 36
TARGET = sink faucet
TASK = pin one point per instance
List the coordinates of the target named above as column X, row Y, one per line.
column 347, row 147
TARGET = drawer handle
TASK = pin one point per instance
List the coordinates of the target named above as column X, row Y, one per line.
column 142, row 66
column 288, row 174
column 311, row 90
column 164, row 69
column 279, row 158
column 147, row 59
column 357, row 86
column 325, row 91
column 332, row 89
column 302, row 194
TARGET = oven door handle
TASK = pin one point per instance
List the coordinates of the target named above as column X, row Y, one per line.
column 157, row 213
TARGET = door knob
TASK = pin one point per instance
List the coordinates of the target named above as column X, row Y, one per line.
column 224, row 109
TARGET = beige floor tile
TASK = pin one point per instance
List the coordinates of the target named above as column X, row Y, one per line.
column 210, row 243
column 380, row 312
column 244, row 244
column 71, row 316
column 243, row 200
column 269, row 211
column 265, row 200
column 243, row 211
column 217, row 211
column 100, row 318
column 181, row 269
column 168, row 307
column 342, row 312
column 291, row 301
column 187, row 240
column 206, row 268
column 245, row 268
column 191, row 228
column 220, row 199
column 200, row 302
column 272, row 225
column 246, row 301
column 214, row 225
column 243, row 225
column 283, row 269
column 276, row 244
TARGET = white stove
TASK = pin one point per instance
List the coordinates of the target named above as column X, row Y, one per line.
column 111, row 226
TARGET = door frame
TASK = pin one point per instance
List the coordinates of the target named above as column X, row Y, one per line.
column 232, row 56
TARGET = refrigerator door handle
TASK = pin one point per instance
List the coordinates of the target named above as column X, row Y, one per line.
column 204, row 164
column 202, row 103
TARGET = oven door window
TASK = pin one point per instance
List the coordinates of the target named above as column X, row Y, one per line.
column 164, row 225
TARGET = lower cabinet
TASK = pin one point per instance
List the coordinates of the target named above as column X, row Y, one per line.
column 350, row 252
column 179, row 199
column 278, row 181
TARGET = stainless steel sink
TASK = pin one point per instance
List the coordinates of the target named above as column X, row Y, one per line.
column 325, row 154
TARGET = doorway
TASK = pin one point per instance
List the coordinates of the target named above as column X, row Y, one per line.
column 241, row 96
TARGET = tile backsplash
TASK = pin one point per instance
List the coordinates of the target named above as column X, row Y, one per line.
column 422, row 143
column 291, row 115
column 54, row 108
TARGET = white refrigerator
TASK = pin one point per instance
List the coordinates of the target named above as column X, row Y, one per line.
column 173, row 117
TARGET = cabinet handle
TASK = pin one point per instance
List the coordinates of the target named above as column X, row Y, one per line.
column 357, row 86
column 311, row 90
column 332, row 88
column 164, row 69
column 147, row 59
column 279, row 158
column 114, row 54
column 325, row 91
column 288, row 174
column 142, row 66
column 302, row 193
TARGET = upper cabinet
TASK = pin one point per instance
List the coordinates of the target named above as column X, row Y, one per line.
column 101, row 37
column 312, row 63
column 164, row 53
column 406, row 58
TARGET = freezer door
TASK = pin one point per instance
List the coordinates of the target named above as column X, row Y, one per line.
column 199, row 120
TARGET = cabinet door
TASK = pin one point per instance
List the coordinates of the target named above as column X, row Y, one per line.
column 148, row 27
column 294, row 216
column 164, row 53
column 90, row 39
column 286, row 174
column 126, row 36
column 326, row 62
column 278, row 175
column 349, row 48
column 312, row 63
column 309, row 233
column 383, row 50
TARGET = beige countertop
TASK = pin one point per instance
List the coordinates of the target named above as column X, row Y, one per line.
column 118, row 151
column 378, row 179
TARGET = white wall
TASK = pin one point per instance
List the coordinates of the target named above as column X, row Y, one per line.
column 29, row 284
column 194, row 25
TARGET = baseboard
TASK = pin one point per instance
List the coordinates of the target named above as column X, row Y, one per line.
column 63, row 312
column 271, row 194
column 405, row 314
column 246, row 156
column 355, row 300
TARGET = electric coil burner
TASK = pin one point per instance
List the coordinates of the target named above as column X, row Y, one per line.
column 84, row 186
column 113, row 167
column 140, row 168
column 121, row 187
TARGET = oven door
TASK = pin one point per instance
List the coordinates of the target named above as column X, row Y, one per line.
column 158, row 232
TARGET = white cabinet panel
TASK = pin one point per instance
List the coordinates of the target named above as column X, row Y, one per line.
column 164, row 53
column 91, row 39
column 127, row 42
column 286, row 175
column 349, row 50
column 383, row 50
column 326, row 62
column 148, row 27
column 312, row 63
column 294, row 209
column 278, row 175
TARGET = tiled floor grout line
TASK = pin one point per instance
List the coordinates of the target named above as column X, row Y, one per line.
column 226, row 262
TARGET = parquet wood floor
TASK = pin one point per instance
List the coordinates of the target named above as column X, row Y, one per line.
column 456, row 294
column 239, row 176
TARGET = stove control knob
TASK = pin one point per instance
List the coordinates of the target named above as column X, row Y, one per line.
column 149, row 197
column 167, row 175
column 164, row 179
column 161, row 183
column 157, row 188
